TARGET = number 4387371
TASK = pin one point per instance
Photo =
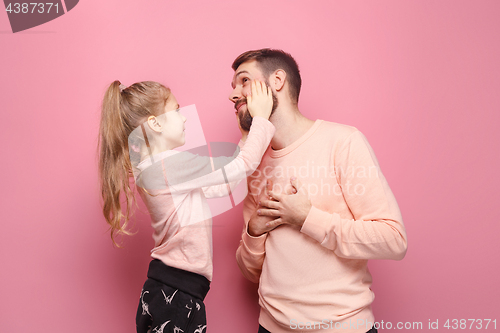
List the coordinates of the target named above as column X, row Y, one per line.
column 32, row 7
column 463, row 324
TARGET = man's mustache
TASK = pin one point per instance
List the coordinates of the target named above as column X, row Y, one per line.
column 242, row 100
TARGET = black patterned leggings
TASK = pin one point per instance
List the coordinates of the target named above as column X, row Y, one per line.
column 164, row 308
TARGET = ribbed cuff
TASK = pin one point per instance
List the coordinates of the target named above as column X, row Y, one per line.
column 255, row 245
column 318, row 223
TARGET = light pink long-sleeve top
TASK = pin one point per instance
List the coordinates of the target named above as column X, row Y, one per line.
column 317, row 274
column 176, row 198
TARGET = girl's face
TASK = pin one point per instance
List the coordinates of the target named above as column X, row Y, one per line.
column 173, row 128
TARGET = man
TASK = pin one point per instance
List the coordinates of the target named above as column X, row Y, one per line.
column 317, row 209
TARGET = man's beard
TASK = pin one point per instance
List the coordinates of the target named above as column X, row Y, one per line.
column 246, row 118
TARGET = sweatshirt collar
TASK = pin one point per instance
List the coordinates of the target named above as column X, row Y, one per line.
column 296, row 143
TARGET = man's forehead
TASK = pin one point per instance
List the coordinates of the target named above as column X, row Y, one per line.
column 249, row 68
column 239, row 72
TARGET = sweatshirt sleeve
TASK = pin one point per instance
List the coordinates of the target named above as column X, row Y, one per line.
column 377, row 230
column 259, row 137
column 251, row 251
column 222, row 190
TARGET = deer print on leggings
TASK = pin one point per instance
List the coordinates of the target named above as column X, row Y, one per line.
column 200, row 329
column 145, row 306
column 189, row 308
column 169, row 298
column 162, row 327
column 177, row 329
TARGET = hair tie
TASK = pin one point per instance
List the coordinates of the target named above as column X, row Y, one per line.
column 122, row 87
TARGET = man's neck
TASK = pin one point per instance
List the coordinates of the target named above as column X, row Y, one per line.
column 290, row 125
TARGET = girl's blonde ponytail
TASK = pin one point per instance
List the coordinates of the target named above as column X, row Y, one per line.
column 122, row 111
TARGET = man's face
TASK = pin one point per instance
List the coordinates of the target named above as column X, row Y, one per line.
column 241, row 88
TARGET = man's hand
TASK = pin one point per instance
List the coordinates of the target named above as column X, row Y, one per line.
column 257, row 225
column 286, row 208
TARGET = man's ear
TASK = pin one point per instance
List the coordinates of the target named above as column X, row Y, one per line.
column 278, row 79
column 154, row 124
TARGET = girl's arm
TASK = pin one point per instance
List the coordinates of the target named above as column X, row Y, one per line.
column 259, row 104
column 245, row 163
column 222, row 190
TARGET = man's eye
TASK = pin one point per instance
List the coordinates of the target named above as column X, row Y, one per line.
column 245, row 80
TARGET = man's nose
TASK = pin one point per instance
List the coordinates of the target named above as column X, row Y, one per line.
column 235, row 95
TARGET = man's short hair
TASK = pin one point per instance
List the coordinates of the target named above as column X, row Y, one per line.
column 270, row 60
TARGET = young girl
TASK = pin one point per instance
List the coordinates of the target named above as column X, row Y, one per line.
column 140, row 125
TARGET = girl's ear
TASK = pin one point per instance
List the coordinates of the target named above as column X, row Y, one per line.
column 154, row 124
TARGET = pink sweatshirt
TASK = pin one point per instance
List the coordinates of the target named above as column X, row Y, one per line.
column 176, row 200
column 315, row 278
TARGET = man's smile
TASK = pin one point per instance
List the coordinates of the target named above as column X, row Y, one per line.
column 239, row 104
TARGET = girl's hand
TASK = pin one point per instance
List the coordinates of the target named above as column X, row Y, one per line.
column 260, row 100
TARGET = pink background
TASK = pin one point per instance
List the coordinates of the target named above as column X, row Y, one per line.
column 421, row 79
